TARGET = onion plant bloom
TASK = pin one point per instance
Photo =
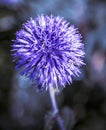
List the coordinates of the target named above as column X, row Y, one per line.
column 49, row 50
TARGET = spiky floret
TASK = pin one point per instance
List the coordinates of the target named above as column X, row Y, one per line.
column 49, row 50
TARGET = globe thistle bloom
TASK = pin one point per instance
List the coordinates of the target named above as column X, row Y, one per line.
column 49, row 50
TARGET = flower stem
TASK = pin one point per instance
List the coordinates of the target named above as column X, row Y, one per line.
column 52, row 92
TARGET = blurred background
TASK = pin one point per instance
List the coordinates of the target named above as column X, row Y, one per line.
column 83, row 104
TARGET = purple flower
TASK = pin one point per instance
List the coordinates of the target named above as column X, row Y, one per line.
column 49, row 50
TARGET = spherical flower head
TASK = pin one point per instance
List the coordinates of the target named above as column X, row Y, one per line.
column 49, row 50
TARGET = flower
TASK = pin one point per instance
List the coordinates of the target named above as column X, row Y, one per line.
column 49, row 50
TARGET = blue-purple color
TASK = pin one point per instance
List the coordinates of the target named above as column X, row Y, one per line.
column 49, row 50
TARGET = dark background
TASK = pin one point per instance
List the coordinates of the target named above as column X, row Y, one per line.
column 83, row 104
